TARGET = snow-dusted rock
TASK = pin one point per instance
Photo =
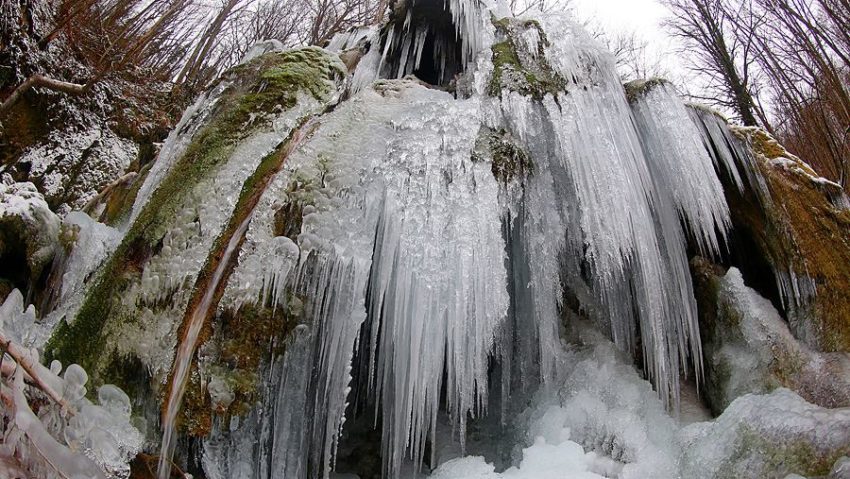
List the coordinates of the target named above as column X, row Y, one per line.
column 27, row 227
column 73, row 166
column 769, row 435
column 749, row 348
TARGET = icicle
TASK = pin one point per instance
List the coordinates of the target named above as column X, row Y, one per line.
column 728, row 153
column 681, row 168
column 419, row 44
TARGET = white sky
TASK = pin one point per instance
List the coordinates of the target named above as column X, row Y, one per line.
column 644, row 17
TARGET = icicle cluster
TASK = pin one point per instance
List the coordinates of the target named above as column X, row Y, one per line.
column 416, row 266
column 69, row 438
column 401, row 231
column 610, row 203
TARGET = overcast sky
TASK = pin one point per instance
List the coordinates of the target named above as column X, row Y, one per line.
column 644, row 17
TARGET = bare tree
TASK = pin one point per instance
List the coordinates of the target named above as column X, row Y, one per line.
column 330, row 17
column 521, row 7
column 634, row 58
column 107, row 36
column 720, row 57
column 791, row 55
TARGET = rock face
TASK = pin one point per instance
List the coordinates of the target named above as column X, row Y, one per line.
column 29, row 233
column 799, row 225
column 749, row 348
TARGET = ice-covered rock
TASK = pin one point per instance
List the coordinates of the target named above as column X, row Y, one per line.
column 261, row 48
column 749, row 348
column 769, row 435
column 28, row 233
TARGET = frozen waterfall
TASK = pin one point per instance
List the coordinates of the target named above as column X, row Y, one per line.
column 451, row 223
column 421, row 269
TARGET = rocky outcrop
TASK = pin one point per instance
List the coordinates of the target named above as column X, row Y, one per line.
column 29, row 232
column 799, row 224
column 749, row 349
column 770, row 435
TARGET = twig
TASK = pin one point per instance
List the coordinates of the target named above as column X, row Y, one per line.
column 23, row 357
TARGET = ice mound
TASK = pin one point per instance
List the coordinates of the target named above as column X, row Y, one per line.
column 769, row 435
column 603, row 421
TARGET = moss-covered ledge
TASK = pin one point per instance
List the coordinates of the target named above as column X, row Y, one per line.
column 637, row 89
column 801, row 227
column 257, row 91
column 515, row 68
column 508, row 160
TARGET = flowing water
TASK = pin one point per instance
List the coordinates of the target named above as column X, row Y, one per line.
column 189, row 342
column 186, row 351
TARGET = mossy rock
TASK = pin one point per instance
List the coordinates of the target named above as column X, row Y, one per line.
column 112, row 206
column 243, row 343
column 255, row 91
column 798, row 226
column 780, row 458
column 516, row 69
column 637, row 89
column 751, row 351
column 508, row 160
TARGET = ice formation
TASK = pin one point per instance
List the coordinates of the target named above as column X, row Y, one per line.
column 26, row 218
column 403, row 259
column 419, row 267
column 601, row 420
column 71, row 438
column 430, row 244
column 759, row 352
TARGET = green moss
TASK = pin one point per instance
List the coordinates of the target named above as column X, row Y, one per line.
column 266, row 84
column 777, row 459
column 525, row 72
column 243, row 342
column 509, row 161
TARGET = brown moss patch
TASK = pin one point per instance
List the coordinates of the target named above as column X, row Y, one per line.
column 813, row 237
column 797, row 226
column 243, row 341
column 145, row 466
